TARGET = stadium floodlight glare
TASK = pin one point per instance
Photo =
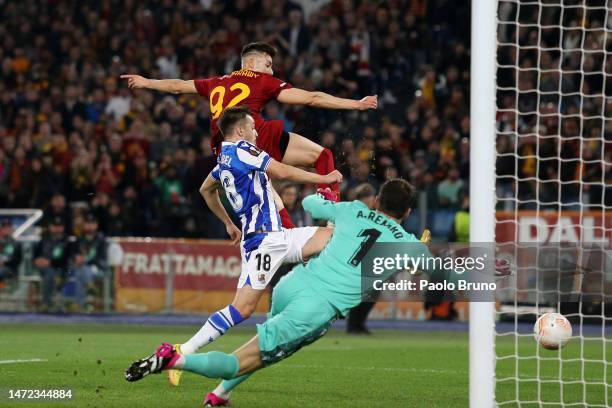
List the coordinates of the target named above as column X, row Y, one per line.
column 540, row 163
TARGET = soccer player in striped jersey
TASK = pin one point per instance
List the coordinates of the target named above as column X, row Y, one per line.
column 242, row 171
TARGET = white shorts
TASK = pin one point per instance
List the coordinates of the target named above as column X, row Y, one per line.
column 276, row 249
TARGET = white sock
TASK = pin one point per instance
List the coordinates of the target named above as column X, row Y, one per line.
column 179, row 363
column 221, row 392
column 216, row 325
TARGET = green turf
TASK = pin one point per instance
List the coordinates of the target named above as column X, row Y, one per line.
column 389, row 369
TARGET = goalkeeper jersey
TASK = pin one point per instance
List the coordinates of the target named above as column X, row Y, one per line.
column 336, row 273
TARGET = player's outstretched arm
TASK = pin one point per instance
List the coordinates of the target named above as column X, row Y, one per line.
column 319, row 207
column 280, row 171
column 210, row 191
column 316, row 99
column 175, row 86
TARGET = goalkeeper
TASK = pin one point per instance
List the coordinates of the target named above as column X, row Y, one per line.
column 307, row 301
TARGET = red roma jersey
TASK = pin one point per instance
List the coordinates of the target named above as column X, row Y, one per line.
column 243, row 87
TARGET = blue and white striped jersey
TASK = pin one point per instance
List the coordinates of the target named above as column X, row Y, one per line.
column 241, row 170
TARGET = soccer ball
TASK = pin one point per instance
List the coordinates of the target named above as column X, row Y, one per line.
column 552, row 331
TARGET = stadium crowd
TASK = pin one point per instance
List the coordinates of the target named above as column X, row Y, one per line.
column 75, row 141
column 554, row 107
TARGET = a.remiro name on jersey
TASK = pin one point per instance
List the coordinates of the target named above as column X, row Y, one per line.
column 336, row 272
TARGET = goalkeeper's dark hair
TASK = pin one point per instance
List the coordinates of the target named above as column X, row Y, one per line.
column 396, row 197
column 260, row 47
column 230, row 118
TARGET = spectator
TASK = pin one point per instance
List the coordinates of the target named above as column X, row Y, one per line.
column 119, row 104
column 104, row 178
column 289, row 194
column 460, row 230
column 116, row 225
column 4, row 172
column 431, row 192
column 58, row 209
column 51, row 256
column 10, row 251
column 172, row 201
column 365, row 193
column 81, row 177
column 20, row 179
column 208, row 224
column 88, row 261
column 448, row 190
column 296, row 38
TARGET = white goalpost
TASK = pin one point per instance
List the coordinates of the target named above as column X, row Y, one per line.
column 541, row 187
column 482, row 191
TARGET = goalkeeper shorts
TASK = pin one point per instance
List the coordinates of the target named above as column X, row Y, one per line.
column 298, row 317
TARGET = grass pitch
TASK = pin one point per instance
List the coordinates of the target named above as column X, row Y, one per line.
column 388, row 369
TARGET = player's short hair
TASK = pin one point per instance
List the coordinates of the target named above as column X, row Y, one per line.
column 396, row 197
column 364, row 190
column 231, row 117
column 260, row 47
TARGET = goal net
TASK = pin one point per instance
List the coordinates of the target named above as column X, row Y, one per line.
column 553, row 199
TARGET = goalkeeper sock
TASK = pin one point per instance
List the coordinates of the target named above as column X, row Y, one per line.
column 325, row 165
column 226, row 386
column 216, row 326
column 286, row 219
column 212, row 365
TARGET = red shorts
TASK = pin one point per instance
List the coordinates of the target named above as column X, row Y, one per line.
column 271, row 138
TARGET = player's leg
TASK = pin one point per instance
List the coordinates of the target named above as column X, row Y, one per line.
column 249, row 361
column 306, row 153
column 216, row 326
column 288, row 302
column 306, row 318
column 219, row 397
column 242, row 307
column 298, row 317
column 258, row 267
column 213, row 364
column 219, row 365
column 304, row 243
column 293, row 149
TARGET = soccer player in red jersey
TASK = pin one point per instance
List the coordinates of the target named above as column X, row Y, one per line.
column 254, row 85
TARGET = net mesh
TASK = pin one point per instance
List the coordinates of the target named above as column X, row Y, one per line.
column 553, row 173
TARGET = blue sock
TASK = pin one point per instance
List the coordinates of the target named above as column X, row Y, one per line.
column 216, row 326
column 222, row 320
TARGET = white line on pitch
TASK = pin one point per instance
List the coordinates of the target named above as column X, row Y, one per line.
column 18, row 361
